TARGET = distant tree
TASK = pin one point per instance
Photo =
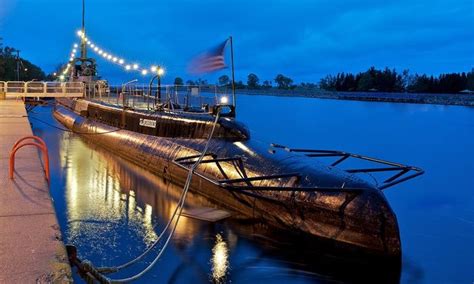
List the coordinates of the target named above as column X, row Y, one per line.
column 328, row 83
column 388, row 80
column 178, row 81
column 283, row 82
column 252, row 81
column 239, row 85
column 2, row 60
column 420, row 84
column 267, row 84
column 224, row 80
column 308, row 86
column 190, row 83
column 451, row 83
column 8, row 66
column 366, row 80
column 470, row 80
column 201, row 82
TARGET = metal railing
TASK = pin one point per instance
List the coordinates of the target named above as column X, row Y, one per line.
column 42, row 89
column 193, row 98
column 20, row 144
column 401, row 172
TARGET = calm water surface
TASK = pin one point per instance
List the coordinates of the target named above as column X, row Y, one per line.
column 112, row 210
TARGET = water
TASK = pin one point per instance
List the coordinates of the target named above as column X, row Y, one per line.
column 111, row 210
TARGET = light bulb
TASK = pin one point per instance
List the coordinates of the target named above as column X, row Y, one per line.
column 161, row 71
column 224, row 100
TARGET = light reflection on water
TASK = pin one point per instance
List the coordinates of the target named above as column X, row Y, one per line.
column 112, row 210
column 220, row 262
column 90, row 179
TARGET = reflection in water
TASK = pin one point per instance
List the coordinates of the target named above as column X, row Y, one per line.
column 92, row 179
column 220, row 262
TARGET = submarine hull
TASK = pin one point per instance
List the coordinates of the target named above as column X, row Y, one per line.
column 361, row 220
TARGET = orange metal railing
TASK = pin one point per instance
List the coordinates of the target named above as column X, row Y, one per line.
column 41, row 145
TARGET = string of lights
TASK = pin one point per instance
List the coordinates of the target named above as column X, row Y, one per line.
column 128, row 66
column 69, row 64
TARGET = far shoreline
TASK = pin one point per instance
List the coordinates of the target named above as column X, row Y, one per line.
column 413, row 98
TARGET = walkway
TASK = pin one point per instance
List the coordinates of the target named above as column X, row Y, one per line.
column 31, row 250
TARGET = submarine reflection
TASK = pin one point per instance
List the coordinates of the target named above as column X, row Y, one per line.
column 115, row 209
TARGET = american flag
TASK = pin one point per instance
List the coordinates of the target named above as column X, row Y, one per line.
column 209, row 61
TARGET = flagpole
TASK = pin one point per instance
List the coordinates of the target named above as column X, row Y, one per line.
column 233, row 77
column 83, row 39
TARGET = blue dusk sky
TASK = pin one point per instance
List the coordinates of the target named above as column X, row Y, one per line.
column 303, row 39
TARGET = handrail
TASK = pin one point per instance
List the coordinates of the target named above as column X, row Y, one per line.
column 43, row 88
column 404, row 172
column 18, row 145
column 229, row 184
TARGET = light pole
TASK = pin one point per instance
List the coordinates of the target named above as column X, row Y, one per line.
column 149, row 92
column 124, row 92
column 17, row 65
column 159, row 72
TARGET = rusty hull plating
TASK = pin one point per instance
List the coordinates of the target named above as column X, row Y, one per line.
column 316, row 199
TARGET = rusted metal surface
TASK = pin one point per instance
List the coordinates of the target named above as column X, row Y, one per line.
column 323, row 201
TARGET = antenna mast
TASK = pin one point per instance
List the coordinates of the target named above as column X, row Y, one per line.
column 83, row 39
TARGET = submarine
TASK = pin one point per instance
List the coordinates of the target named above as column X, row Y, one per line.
column 288, row 188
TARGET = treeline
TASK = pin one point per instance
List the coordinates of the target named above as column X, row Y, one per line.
column 390, row 81
column 8, row 66
column 253, row 82
column 372, row 80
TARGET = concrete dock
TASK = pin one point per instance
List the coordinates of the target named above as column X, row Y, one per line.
column 31, row 249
